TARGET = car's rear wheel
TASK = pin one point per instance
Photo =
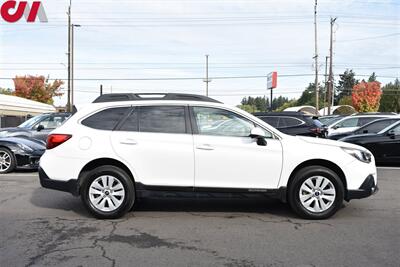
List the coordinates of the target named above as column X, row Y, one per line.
column 108, row 192
column 316, row 192
column 7, row 160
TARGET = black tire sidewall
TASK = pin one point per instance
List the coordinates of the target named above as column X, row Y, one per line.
column 300, row 177
column 127, row 183
column 13, row 161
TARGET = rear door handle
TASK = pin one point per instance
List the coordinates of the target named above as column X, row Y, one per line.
column 205, row 147
column 129, row 142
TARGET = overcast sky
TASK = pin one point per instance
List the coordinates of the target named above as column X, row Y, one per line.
column 132, row 39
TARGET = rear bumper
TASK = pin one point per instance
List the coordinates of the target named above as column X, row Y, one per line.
column 367, row 188
column 70, row 186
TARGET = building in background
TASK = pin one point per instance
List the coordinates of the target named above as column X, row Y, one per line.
column 15, row 110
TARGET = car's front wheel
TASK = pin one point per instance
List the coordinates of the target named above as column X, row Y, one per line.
column 7, row 160
column 108, row 192
column 316, row 192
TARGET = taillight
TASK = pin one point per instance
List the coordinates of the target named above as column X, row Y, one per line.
column 54, row 140
column 316, row 130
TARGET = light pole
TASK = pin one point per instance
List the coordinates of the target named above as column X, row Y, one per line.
column 72, row 64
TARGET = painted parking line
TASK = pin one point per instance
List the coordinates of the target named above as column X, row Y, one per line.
column 28, row 174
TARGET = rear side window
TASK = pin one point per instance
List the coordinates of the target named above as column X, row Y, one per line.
column 351, row 122
column 288, row 122
column 131, row 123
column 162, row 119
column 273, row 121
column 106, row 119
column 363, row 121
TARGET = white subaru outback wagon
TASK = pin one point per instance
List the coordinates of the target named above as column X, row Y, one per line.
column 126, row 146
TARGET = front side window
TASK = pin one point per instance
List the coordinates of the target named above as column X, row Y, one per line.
column 52, row 122
column 106, row 119
column 352, row 122
column 162, row 119
column 375, row 127
column 213, row 121
column 396, row 130
column 271, row 120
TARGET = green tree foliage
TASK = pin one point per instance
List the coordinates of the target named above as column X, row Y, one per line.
column 390, row 99
column 372, row 78
column 345, row 85
column 261, row 104
column 307, row 98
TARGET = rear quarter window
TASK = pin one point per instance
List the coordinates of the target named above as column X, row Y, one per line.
column 106, row 119
column 273, row 121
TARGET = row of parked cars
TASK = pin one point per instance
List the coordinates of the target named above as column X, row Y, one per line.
column 378, row 132
column 21, row 147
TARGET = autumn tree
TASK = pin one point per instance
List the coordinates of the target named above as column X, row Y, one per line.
column 366, row 96
column 37, row 88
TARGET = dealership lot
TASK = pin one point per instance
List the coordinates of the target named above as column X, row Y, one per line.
column 44, row 227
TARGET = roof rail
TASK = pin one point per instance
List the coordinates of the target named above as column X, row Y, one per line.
column 152, row 96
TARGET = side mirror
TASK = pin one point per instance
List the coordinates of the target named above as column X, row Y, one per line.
column 336, row 127
column 258, row 134
column 365, row 131
column 391, row 134
column 39, row 128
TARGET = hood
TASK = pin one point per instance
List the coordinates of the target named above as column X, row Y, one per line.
column 30, row 142
column 13, row 129
column 328, row 142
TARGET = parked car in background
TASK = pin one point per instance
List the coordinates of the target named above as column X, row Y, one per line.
column 372, row 127
column 351, row 123
column 20, row 153
column 37, row 127
column 294, row 123
column 128, row 146
column 328, row 120
column 385, row 145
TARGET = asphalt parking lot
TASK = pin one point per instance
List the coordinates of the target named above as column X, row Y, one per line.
column 43, row 227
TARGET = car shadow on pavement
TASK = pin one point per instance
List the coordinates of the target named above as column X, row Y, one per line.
column 50, row 199
column 215, row 205
column 64, row 201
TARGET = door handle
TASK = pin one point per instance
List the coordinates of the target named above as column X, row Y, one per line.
column 205, row 147
column 129, row 142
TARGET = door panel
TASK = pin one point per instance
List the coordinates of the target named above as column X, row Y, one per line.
column 155, row 142
column 236, row 162
column 225, row 155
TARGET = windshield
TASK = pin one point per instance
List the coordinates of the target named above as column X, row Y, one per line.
column 32, row 121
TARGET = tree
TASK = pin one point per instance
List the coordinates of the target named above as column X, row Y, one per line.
column 345, row 85
column 307, row 98
column 366, row 96
column 390, row 100
column 255, row 103
column 372, row 78
column 37, row 88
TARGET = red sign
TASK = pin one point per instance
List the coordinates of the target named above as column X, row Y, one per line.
column 272, row 80
column 12, row 11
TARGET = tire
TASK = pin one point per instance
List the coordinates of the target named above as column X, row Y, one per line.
column 7, row 160
column 107, row 192
column 311, row 201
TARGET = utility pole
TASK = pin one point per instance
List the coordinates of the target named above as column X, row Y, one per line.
column 69, row 109
column 330, row 82
column 316, row 58
column 72, row 63
column 325, row 83
column 101, row 89
column 206, row 80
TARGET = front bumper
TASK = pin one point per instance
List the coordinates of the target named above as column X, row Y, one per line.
column 70, row 186
column 367, row 188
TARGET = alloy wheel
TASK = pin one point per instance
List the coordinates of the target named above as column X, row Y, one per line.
column 106, row 193
column 317, row 194
column 5, row 161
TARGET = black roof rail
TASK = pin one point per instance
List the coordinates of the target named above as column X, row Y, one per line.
column 152, row 96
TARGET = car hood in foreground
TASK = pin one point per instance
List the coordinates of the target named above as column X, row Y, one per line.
column 32, row 143
column 13, row 130
column 328, row 142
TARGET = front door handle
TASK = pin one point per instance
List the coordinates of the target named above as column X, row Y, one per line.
column 205, row 147
column 129, row 141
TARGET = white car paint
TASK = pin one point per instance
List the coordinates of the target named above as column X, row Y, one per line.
column 197, row 160
column 337, row 128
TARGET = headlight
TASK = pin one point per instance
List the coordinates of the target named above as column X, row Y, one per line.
column 25, row 147
column 361, row 155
